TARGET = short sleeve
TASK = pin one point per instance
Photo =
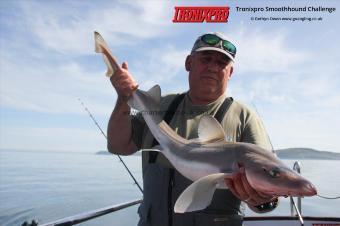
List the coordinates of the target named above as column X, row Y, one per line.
column 138, row 126
column 254, row 131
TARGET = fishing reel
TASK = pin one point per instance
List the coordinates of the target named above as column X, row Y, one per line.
column 33, row 223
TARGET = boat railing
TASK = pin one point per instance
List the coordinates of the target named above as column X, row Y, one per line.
column 79, row 218
column 295, row 211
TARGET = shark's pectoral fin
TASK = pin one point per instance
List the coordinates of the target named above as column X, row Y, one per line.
column 199, row 194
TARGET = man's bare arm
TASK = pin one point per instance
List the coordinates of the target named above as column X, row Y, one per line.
column 119, row 131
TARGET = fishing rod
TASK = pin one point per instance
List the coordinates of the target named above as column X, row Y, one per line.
column 102, row 132
column 326, row 197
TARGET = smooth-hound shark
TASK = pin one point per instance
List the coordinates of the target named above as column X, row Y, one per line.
column 209, row 159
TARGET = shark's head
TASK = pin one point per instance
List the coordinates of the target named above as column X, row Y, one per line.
column 271, row 176
column 268, row 175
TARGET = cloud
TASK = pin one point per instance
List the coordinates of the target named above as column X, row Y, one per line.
column 164, row 64
column 262, row 89
column 266, row 52
column 302, row 129
column 297, row 89
column 270, row 68
column 54, row 87
column 69, row 29
column 51, row 88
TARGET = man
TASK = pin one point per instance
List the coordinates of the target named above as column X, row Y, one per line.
column 210, row 66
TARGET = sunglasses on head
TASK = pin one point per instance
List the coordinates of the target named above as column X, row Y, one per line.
column 212, row 40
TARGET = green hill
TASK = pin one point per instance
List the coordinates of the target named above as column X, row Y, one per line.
column 306, row 153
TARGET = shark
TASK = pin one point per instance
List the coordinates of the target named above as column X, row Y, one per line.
column 210, row 158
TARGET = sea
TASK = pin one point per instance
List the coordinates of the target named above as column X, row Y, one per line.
column 46, row 186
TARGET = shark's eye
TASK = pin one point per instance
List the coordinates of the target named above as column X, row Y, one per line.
column 275, row 172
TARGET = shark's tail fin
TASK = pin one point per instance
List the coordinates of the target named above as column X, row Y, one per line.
column 109, row 59
column 147, row 102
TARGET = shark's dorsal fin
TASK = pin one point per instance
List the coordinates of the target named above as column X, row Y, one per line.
column 155, row 93
column 209, row 129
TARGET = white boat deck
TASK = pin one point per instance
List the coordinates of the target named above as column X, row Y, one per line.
column 291, row 221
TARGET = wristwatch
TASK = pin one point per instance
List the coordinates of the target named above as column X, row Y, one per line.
column 268, row 206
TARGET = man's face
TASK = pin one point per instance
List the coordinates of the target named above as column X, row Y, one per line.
column 209, row 73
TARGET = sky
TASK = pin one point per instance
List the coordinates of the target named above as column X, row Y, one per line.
column 286, row 70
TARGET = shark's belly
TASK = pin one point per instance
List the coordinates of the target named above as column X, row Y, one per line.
column 194, row 170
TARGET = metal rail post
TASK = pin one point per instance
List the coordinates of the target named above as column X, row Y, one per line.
column 297, row 168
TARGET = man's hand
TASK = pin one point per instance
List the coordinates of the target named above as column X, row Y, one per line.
column 240, row 187
column 123, row 82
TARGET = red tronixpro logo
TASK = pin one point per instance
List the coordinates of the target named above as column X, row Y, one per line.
column 199, row 14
